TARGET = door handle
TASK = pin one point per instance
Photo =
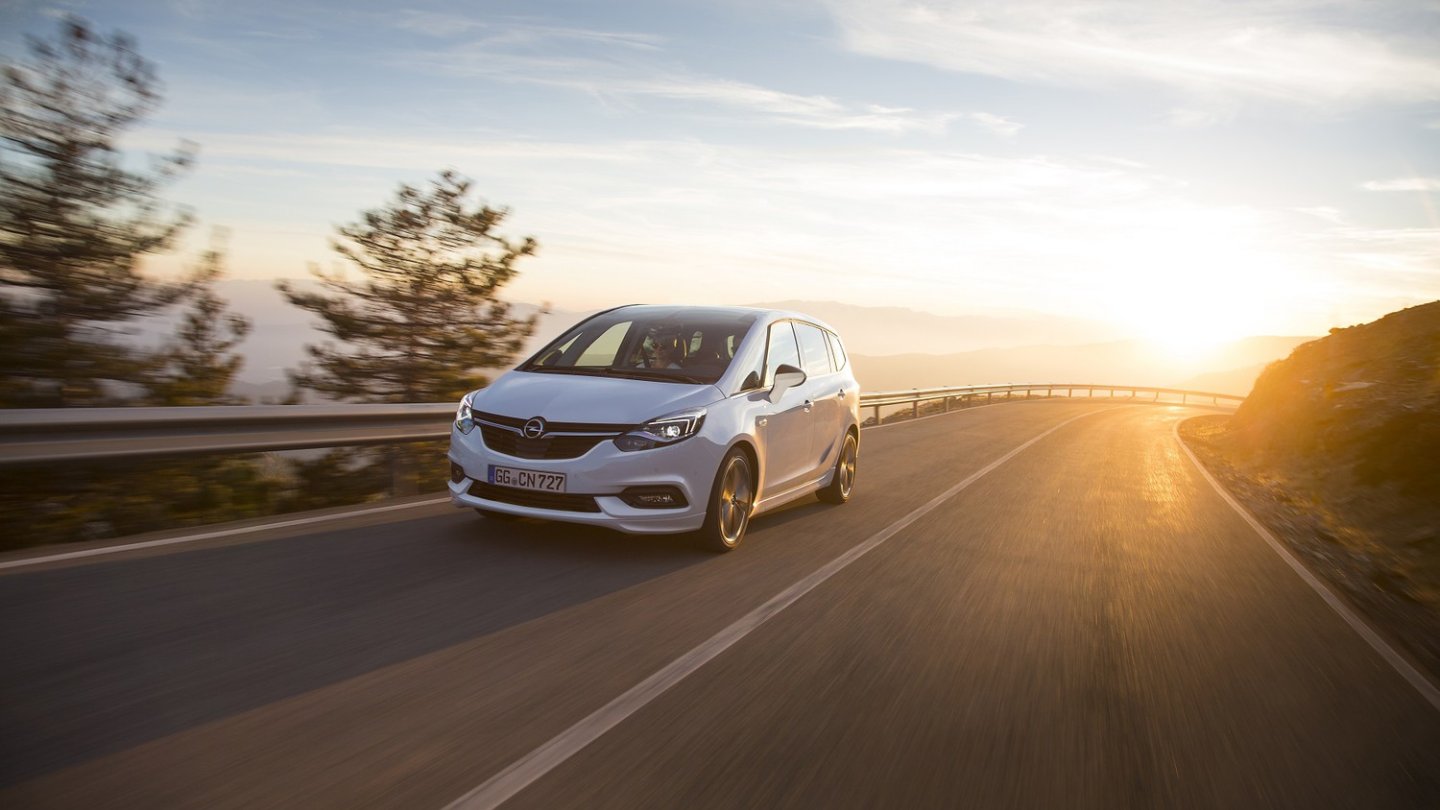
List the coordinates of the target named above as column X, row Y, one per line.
column 841, row 394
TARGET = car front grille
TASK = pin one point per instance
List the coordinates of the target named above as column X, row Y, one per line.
column 562, row 440
column 551, row 447
column 559, row 501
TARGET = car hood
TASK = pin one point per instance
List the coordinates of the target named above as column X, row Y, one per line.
column 583, row 398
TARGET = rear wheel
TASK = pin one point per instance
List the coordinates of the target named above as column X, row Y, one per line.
column 845, row 467
column 731, row 498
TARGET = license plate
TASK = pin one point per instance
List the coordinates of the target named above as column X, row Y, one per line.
column 527, row 479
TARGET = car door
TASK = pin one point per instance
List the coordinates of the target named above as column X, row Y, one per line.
column 788, row 425
column 825, row 391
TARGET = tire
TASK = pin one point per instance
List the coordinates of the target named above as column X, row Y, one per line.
column 503, row 517
column 843, row 482
column 732, row 496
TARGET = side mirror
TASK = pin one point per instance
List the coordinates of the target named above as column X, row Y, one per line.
column 786, row 377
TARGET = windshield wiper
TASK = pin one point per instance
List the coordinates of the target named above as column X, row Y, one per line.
column 623, row 373
column 658, row 376
column 590, row 372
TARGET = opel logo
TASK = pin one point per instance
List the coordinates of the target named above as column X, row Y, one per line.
column 535, row 428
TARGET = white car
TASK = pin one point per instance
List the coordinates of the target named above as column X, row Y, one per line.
column 664, row 419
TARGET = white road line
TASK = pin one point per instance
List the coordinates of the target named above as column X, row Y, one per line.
column 521, row 773
column 1421, row 683
column 193, row 538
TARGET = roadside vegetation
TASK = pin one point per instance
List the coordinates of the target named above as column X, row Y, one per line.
column 413, row 311
column 1337, row 450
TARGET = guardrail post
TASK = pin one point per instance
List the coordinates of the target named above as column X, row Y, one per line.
column 1183, row 397
column 402, row 473
column 915, row 409
column 1157, row 396
column 877, row 414
column 988, row 395
column 945, row 408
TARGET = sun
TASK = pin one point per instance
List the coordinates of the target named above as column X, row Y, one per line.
column 1188, row 291
column 1190, row 326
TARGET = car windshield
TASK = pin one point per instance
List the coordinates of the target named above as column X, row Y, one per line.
column 687, row 345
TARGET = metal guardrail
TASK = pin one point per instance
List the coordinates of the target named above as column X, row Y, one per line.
column 100, row 434
column 967, row 393
column 62, row 435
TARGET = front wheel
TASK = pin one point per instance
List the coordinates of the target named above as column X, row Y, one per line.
column 731, row 499
column 844, row 479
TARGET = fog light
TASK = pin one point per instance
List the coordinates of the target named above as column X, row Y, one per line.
column 661, row 497
column 457, row 473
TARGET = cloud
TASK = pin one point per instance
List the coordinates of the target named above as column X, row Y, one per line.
column 1335, row 53
column 1325, row 213
column 381, row 151
column 608, row 68
column 997, row 124
column 503, row 32
column 1195, row 117
column 821, row 112
column 1404, row 184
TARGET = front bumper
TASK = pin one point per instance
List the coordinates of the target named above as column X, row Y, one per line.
column 603, row 472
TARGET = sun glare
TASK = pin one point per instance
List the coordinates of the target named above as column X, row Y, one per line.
column 1189, row 288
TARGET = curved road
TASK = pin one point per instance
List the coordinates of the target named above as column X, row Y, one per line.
column 1087, row 624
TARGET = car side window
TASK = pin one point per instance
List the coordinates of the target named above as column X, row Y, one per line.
column 813, row 350
column 783, row 350
column 837, row 351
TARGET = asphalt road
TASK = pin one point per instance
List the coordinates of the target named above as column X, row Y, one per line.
column 1086, row 625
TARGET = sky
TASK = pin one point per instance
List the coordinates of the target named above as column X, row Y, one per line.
column 1184, row 170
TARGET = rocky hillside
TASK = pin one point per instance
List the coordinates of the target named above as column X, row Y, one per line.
column 1359, row 413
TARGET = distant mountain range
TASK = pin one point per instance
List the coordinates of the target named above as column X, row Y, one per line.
column 892, row 347
column 896, row 330
column 280, row 332
column 1230, row 369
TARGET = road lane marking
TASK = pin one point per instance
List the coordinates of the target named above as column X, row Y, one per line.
column 1421, row 683
column 526, row 770
column 194, row 538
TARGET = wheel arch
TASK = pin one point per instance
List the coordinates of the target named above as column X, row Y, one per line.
column 745, row 446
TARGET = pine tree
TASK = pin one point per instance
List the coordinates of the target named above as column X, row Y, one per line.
column 199, row 364
column 422, row 321
column 74, row 221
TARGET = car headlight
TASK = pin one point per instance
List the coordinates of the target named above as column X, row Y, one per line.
column 464, row 415
column 667, row 430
